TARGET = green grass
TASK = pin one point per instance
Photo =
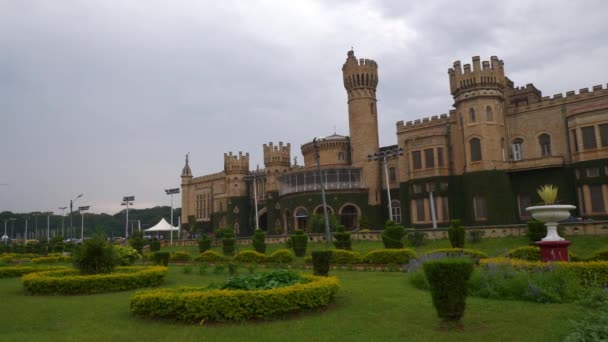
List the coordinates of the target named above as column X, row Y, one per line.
column 583, row 246
column 371, row 306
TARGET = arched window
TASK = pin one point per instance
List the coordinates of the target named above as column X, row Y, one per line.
column 396, row 211
column 518, row 149
column 544, row 140
column 472, row 115
column 319, row 210
column 301, row 216
column 349, row 216
column 489, row 114
column 475, row 146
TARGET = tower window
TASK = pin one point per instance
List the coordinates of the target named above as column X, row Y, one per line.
column 479, row 207
column 597, row 198
column 417, row 160
column 392, row 174
column 372, row 108
column 440, row 162
column 475, row 146
column 518, row 149
column 589, row 141
column 489, row 114
column 472, row 115
column 604, row 134
column 544, row 140
column 574, row 140
column 429, row 158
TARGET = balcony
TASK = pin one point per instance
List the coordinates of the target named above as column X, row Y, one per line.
column 536, row 163
column 335, row 179
column 431, row 172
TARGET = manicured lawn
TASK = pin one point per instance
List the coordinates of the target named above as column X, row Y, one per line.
column 371, row 306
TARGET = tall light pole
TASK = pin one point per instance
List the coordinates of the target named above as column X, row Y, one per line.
column 253, row 176
column 12, row 219
column 5, row 237
column 127, row 200
column 48, row 225
column 25, row 240
column 318, row 160
column 82, row 210
column 62, row 217
column 383, row 155
column 71, row 209
column 172, row 192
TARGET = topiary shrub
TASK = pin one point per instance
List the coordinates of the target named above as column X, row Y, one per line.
column 154, row 245
column 342, row 239
column 259, row 241
column 392, row 235
column 228, row 246
column 389, row 256
column 456, row 234
column 125, row 256
column 210, row 256
column 250, row 256
column 180, row 256
column 343, row 257
column 94, row 256
column 415, row 238
column 161, row 258
column 204, row 243
column 281, row 256
column 137, row 242
column 529, row 253
column 448, row 282
column 536, row 230
column 299, row 242
column 459, row 252
column 320, row 263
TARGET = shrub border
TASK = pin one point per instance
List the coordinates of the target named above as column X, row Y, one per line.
column 18, row 271
column 195, row 305
column 68, row 282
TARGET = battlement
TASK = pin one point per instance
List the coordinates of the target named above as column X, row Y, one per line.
column 362, row 73
column 525, row 95
column 210, row 177
column 486, row 73
column 596, row 91
column 434, row 120
column 277, row 155
column 236, row 163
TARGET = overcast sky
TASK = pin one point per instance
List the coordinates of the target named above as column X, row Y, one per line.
column 106, row 97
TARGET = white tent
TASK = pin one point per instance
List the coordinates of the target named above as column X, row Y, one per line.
column 162, row 226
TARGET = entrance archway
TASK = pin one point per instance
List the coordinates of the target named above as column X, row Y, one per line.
column 301, row 218
column 349, row 216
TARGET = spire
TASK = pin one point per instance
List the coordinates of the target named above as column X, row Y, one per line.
column 186, row 172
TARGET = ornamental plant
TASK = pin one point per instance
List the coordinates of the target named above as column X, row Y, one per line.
column 161, row 258
column 228, row 240
column 342, row 239
column 320, row 262
column 154, row 245
column 259, row 241
column 204, row 243
column 136, row 240
column 548, row 193
column 94, row 256
column 448, row 281
column 125, row 256
column 392, row 235
column 299, row 242
column 281, row 256
column 456, row 234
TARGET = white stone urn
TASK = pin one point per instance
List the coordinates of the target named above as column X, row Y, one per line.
column 551, row 214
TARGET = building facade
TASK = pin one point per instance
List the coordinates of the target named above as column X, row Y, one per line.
column 481, row 163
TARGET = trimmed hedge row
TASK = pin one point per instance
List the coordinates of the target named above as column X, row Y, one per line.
column 457, row 252
column 210, row 256
column 529, row 253
column 69, row 281
column 250, row 256
column 51, row 260
column 18, row 271
column 389, row 256
column 196, row 305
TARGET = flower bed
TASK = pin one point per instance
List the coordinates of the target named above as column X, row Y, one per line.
column 18, row 271
column 69, row 281
column 197, row 305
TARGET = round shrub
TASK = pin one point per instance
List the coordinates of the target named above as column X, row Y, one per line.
column 250, row 256
column 94, row 256
column 281, row 256
column 456, row 234
column 180, row 256
column 320, row 262
column 228, row 246
column 530, row 253
column 448, row 281
column 459, row 252
column 18, row 271
column 259, row 241
column 342, row 257
column 536, row 230
column 125, row 256
column 161, row 258
column 68, row 282
column 210, row 256
column 299, row 242
column 392, row 235
column 342, row 239
column 196, row 305
column 204, row 243
column 137, row 241
column 389, row 256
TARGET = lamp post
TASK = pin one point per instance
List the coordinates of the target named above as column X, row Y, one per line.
column 62, row 217
column 82, row 210
column 25, row 240
column 172, row 192
column 127, row 200
column 5, row 237
column 253, row 176
column 48, row 225
column 318, row 160
column 71, row 206
column 383, row 155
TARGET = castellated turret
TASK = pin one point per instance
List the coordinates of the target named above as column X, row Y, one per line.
column 486, row 74
column 277, row 156
column 236, row 168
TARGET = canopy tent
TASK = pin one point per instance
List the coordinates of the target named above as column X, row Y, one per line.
column 162, row 226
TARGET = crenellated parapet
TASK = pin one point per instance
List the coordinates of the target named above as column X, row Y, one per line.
column 277, row 155
column 486, row 74
column 360, row 76
column 236, row 164
column 434, row 120
column 210, row 177
column 596, row 92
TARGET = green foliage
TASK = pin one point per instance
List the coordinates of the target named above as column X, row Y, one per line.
column 69, row 282
column 299, row 242
column 180, row 256
column 161, row 258
column 234, row 305
column 202, row 269
column 363, row 222
column 18, row 271
column 591, row 327
column 219, row 269
column 94, row 256
column 154, row 245
column 530, row 253
column 392, row 235
column 342, row 239
column 281, row 256
column 228, row 246
column 448, row 280
column 456, row 234
column 475, row 236
column 536, row 231
column 389, row 256
column 261, row 281
column 320, row 262
column 224, row 232
column 125, row 256
column 259, row 241
column 56, row 244
column 459, row 252
column 316, row 223
column 137, row 241
column 51, row 259
column 601, row 255
column 210, row 256
column 415, row 238
column 342, row 257
column 187, row 269
column 204, row 243
column 250, row 256
column 232, row 268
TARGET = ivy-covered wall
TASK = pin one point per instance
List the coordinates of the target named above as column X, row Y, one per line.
column 583, row 178
column 406, row 195
column 495, row 187
column 238, row 212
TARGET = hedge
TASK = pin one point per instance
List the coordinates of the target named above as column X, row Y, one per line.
column 51, row 260
column 196, row 305
column 250, row 256
column 389, row 256
column 180, row 256
column 210, row 256
column 457, row 252
column 600, row 255
column 18, row 271
column 530, row 253
column 448, row 281
column 69, row 282
column 340, row 257
column 281, row 256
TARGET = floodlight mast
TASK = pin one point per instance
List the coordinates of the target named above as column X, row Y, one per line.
column 127, row 200
column 82, row 210
column 172, row 192
column 382, row 156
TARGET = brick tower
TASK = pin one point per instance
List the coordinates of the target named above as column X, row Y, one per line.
column 236, row 168
column 277, row 161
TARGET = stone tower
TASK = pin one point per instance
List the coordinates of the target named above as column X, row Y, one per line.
column 187, row 208
column 360, row 81
column 277, row 161
column 479, row 101
column 236, row 168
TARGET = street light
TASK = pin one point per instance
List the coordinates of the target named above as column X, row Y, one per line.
column 48, row 224
column 172, row 192
column 71, row 206
column 254, row 176
column 82, row 210
column 127, row 200
column 383, row 155
column 318, row 159
column 62, row 217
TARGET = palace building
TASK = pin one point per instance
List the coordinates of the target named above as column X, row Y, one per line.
column 481, row 162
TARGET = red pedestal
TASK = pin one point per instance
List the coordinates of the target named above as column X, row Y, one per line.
column 554, row 250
